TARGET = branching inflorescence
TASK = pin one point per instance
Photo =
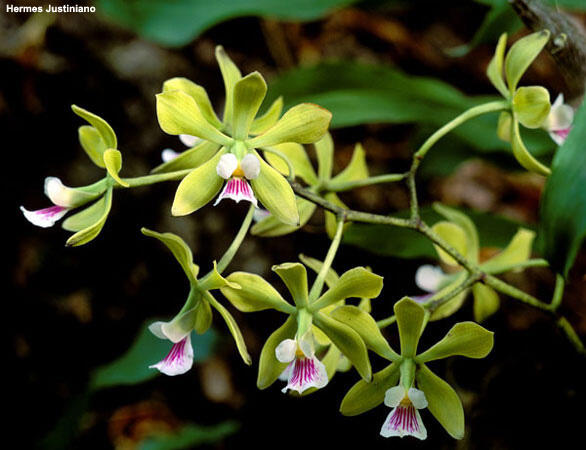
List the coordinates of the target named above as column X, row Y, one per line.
column 261, row 159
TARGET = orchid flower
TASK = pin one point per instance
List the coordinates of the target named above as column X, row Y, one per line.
column 237, row 173
column 404, row 419
column 304, row 370
column 196, row 313
column 180, row 358
column 321, row 181
column 528, row 105
column 314, row 317
column 183, row 108
column 461, row 233
column 169, row 154
column 407, row 385
column 559, row 120
column 64, row 199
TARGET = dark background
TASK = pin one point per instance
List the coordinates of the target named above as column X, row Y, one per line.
column 69, row 310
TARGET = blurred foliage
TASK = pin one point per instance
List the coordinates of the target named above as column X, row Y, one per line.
column 359, row 93
column 563, row 205
column 189, row 436
column 178, row 22
column 132, row 367
column 493, row 231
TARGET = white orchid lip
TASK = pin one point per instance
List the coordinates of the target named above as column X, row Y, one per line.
column 179, row 359
column 404, row 419
column 46, row 217
column 304, row 370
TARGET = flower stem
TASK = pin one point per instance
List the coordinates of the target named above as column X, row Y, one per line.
column 318, row 284
column 156, row 178
column 333, row 186
column 235, row 245
column 457, row 121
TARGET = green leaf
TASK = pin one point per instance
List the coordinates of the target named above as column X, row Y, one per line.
column 494, row 71
column 268, row 119
column 189, row 436
column 357, row 282
column 189, row 159
column 113, row 162
column 232, row 326
column 366, row 327
column 92, row 143
column 486, row 301
column 465, row 339
column 294, row 276
column 271, row 226
column 364, row 396
column 178, row 113
column 518, row 251
column 180, row 250
column 531, row 105
column 348, row 341
column 388, row 95
column 455, row 236
column 563, row 205
column 104, row 129
column 255, row 294
column 132, row 366
column 179, row 22
column 298, row 158
column 94, row 220
column 443, row 402
column 198, row 188
column 249, row 92
column 305, row 124
column 275, row 193
column 520, row 56
column 410, row 317
column 198, row 93
column 522, row 155
column 269, row 367
column 316, row 265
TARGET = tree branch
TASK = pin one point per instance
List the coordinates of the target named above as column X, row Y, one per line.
column 567, row 45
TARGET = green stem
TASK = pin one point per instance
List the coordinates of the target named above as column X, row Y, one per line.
column 333, row 186
column 318, row 284
column 386, row 322
column 571, row 334
column 515, row 293
column 235, row 245
column 157, row 178
column 431, row 140
column 558, row 292
column 537, row 262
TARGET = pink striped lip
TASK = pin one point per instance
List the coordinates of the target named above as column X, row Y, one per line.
column 237, row 189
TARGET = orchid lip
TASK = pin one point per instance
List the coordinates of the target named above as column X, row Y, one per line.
column 45, row 217
column 237, row 189
column 179, row 359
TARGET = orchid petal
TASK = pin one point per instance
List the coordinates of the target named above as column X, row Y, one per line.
column 45, row 217
column 179, row 359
